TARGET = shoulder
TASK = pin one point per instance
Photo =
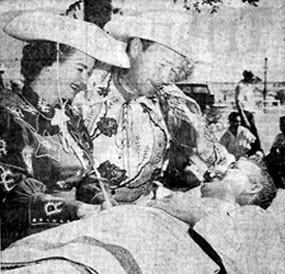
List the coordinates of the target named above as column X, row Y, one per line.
column 11, row 114
column 245, row 131
column 174, row 98
column 9, row 98
column 279, row 137
column 227, row 135
column 245, row 230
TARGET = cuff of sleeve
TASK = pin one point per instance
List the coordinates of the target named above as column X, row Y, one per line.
column 47, row 210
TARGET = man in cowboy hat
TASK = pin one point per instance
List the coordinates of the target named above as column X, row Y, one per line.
column 135, row 114
column 44, row 145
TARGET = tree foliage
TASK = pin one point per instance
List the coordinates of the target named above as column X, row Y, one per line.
column 251, row 2
column 97, row 11
column 213, row 4
column 94, row 11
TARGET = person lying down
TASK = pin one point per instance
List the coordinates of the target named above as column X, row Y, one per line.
column 220, row 227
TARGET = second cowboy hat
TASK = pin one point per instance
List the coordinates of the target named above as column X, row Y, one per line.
column 170, row 29
column 81, row 35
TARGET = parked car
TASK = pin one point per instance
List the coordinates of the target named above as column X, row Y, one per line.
column 199, row 92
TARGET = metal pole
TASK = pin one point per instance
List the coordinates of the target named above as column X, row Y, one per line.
column 265, row 78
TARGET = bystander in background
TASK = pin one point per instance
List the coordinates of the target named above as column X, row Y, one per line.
column 237, row 139
column 246, row 105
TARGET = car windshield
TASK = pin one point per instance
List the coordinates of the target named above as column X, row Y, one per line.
column 200, row 89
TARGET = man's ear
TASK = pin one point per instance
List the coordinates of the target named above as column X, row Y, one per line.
column 135, row 47
column 254, row 188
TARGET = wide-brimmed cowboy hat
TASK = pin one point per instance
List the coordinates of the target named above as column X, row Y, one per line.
column 171, row 29
column 81, row 35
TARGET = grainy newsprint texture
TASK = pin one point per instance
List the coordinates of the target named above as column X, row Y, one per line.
column 142, row 137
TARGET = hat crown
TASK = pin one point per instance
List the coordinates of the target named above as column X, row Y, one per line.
column 171, row 29
column 84, row 36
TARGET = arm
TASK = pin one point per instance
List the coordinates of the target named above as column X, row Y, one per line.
column 237, row 93
column 25, row 204
column 242, row 114
column 240, row 106
column 225, row 140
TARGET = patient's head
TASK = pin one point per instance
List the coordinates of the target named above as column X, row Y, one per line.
column 246, row 182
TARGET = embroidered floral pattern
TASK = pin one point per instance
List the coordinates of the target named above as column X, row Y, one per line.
column 112, row 173
column 27, row 155
column 103, row 91
column 16, row 111
column 43, row 105
column 107, row 126
column 29, row 109
column 3, row 147
column 7, row 182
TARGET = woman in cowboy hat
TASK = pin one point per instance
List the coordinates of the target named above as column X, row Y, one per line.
column 44, row 146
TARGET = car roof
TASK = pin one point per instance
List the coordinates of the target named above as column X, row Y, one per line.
column 191, row 84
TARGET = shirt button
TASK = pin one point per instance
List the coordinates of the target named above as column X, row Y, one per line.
column 40, row 219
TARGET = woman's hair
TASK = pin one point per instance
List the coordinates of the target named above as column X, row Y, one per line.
column 40, row 54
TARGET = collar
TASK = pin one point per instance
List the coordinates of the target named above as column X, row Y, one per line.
column 37, row 103
column 122, row 91
column 125, row 91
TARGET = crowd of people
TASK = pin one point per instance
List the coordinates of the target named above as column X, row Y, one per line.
column 100, row 136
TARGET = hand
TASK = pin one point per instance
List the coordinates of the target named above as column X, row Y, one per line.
column 86, row 210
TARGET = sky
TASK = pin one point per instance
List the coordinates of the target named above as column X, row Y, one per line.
column 236, row 38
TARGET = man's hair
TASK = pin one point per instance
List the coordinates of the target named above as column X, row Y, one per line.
column 233, row 116
column 182, row 72
column 266, row 195
column 282, row 120
column 248, row 75
column 145, row 44
column 40, row 54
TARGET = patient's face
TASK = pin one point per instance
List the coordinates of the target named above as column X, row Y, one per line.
column 235, row 182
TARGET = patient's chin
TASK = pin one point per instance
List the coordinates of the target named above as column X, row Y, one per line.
column 207, row 190
column 212, row 190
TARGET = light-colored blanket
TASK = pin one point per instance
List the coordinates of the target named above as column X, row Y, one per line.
column 125, row 239
column 247, row 239
column 137, row 240
column 277, row 211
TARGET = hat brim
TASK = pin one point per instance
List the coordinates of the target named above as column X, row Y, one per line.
column 171, row 32
column 84, row 36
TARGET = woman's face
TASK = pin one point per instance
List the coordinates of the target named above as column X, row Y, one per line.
column 75, row 70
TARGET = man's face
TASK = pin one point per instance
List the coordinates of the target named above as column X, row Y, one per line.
column 235, row 122
column 153, row 67
column 235, row 183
